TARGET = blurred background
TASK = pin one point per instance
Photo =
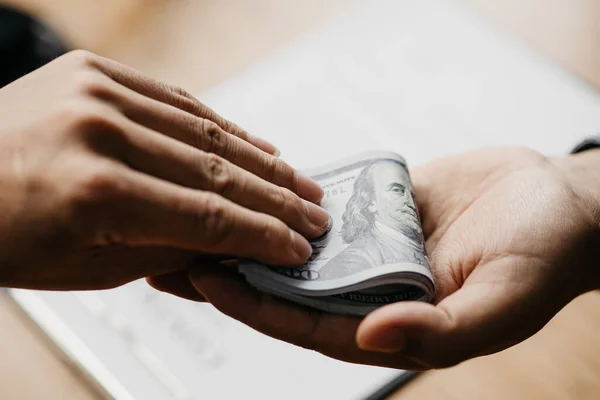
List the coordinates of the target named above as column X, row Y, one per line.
column 161, row 37
column 197, row 44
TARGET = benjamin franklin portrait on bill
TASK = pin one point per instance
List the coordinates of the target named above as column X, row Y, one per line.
column 380, row 223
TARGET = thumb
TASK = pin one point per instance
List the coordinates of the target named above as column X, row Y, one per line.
column 478, row 319
column 177, row 284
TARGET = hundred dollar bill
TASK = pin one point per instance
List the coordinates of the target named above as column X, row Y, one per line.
column 373, row 252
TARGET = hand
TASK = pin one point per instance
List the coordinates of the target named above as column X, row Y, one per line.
column 512, row 238
column 108, row 176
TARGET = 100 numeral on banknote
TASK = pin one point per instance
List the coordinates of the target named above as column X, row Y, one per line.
column 373, row 253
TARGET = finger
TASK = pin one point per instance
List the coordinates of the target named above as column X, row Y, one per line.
column 206, row 135
column 331, row 335
column 135, row 209
column 168, row 159
column 175, row 97
column 480, row 318
column 108, row 267
column 177, row 284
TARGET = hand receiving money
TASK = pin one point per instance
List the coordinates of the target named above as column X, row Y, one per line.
column 512, row 237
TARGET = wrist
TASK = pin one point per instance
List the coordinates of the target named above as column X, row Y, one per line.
column 581, row 174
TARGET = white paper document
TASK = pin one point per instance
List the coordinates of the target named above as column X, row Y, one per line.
column 423, row 78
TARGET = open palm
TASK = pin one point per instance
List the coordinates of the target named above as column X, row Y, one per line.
column 510, row 244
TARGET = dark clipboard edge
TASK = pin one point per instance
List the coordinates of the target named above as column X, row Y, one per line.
column 393, row 385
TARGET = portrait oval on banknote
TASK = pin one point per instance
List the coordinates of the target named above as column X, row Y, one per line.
column 380, row 223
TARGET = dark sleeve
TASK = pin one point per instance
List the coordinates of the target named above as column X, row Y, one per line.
column 592, row 142
column 25, row 45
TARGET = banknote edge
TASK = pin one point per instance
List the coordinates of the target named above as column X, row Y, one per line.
column 351, row 162
column 325, row 303
column 258, row 270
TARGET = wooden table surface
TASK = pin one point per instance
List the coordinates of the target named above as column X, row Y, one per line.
column 198, row 43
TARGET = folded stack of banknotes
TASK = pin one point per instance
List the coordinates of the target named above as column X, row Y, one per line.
column 373, row 253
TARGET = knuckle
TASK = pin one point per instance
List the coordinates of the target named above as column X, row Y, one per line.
column 278, row 196
column 289, row 176
column 92, row 194
column 82, row 57
column 220, row 174
column 97, row 186
column 88, row 118
column 292, row 179
column 180, row 92
column 527, row 153
column 269, row 168
column 190, row 104
column 183, row 100
column 213, row 222
column 272, row 229
column 234, row 129
column 94, row 84
column 286, row 201
column 80, row 116
column 276, row 171
column 211, row 139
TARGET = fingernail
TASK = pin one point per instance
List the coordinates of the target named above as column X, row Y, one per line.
column 317, row 216
column 391, row 340
column 300, row 245
column 309, row 189
column 265, row 146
